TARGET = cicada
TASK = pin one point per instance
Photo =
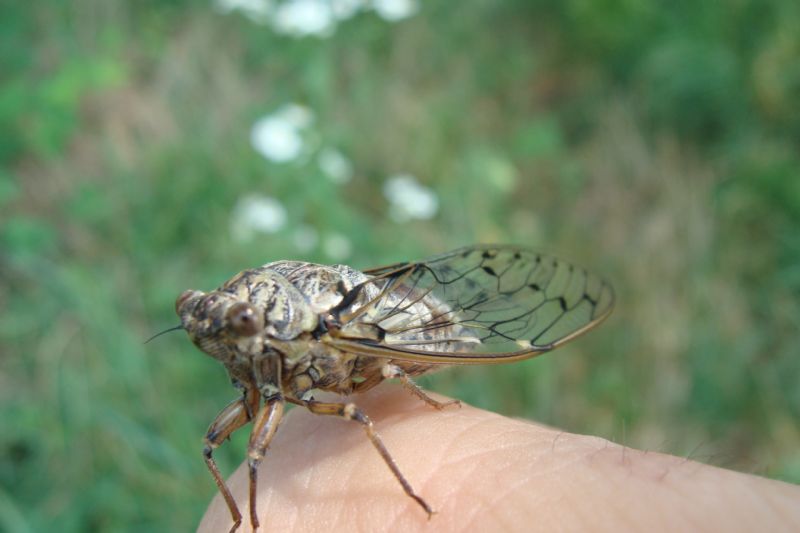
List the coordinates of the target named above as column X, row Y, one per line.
column 289, row 328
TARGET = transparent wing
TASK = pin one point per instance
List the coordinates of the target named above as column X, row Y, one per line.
column 480, row 304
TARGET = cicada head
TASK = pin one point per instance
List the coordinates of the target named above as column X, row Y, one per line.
column 219, row 323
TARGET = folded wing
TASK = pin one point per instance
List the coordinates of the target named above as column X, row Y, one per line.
column 480, row 304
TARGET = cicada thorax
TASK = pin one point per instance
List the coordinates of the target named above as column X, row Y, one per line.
column 308, row 363
column 346, row 303
column 287, row 313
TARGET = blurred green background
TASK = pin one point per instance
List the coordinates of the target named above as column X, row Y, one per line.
column 654, row 142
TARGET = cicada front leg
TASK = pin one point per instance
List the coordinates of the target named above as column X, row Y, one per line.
column 349, row 411
column 264, row 427
column 235, row 415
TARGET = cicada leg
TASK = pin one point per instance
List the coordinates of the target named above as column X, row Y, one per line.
column 234, row 416
column 349, row 411
column 264, row 428
column 390, row 371
column 363, row 386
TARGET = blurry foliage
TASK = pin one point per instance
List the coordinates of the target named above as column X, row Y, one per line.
column 655, row 142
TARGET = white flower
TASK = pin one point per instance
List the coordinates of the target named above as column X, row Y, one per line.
column 337, row 246
column 278, row 137
column 256, row 10
column 256, row 213
column 300, row 18
column 297, row 115
column 335, row 165
column 344, row 9
column 304, row 17
column 409, row 199
column 305, row 238
column 394, row 10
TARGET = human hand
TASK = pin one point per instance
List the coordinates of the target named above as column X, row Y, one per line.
column 484, row 472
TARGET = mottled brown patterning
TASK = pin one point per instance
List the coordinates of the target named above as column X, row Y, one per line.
column 288, row 328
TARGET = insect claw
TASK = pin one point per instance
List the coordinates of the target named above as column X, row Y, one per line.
column 457, row 403
column 427, row 508
column 441, row 405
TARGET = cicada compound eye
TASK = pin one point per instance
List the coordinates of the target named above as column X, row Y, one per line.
column 244, row 320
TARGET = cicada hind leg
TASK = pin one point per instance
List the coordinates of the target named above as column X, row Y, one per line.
column 349, row 411
column 390, row 371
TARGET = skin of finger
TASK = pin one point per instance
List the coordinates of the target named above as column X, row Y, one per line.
column 483, row 471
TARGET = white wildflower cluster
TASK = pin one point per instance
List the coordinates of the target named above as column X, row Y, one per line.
column 300, row 18
column 256, row 213
column 409, row 199
column 305, row 238
column 335, row 165
column 337, row 246
column 283, row 137
column 279, row 136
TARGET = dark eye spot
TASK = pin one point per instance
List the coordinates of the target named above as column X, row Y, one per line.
column 243, row 319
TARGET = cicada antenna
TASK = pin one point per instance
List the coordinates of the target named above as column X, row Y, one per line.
column 176, row 328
